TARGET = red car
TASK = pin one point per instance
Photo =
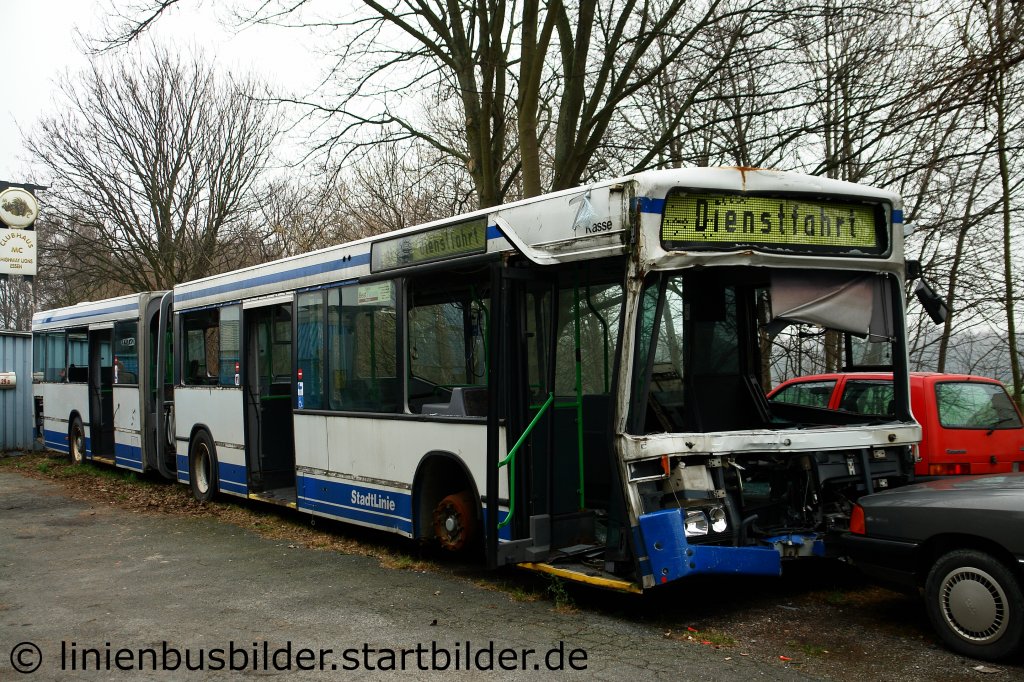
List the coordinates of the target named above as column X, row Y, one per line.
column 969, row 424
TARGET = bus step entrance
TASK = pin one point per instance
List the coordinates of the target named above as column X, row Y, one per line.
column 573, row 529
column 283, row 496
column 575, row 551
column 583, row 573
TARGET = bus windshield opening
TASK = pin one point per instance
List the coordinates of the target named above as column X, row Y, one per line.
column 712, row 342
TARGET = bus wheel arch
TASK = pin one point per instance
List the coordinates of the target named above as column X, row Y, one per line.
column 446, row 504
column 202, row 464
column 76, row 438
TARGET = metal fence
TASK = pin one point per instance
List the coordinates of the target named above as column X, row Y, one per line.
column 16, row 403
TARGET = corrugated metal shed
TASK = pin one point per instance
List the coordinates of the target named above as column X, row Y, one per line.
column 16, row 404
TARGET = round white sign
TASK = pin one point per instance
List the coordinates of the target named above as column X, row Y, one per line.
column 18, row 208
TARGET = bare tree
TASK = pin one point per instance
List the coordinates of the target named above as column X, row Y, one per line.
column 536, row 86
column 151, row 163
column 977, row 90
column 920, row 96
column 1003, row 24
column 15, row 304
column 395, row 186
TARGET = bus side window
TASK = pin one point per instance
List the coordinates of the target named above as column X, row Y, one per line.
column 228, row 345
column 78, row 357
column 447, row 326
column 202, row 347
column 56, row 357
column 363, row 348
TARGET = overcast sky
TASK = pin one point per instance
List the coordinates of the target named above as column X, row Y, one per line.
column 39, row 44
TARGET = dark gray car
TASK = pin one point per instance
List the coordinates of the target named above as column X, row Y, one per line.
column 962, row 540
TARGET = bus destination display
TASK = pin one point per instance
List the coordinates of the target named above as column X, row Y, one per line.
column 424, row 247
column 711, row 220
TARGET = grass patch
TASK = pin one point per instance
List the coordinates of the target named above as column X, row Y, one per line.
column 559, row 593
column 524, row 595
column 837, row 598
column 404, row 562
column 808, row 649
column 710, row 637
column 515, row 592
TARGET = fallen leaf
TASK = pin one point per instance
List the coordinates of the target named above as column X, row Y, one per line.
column 986, row 669
column 785, row 658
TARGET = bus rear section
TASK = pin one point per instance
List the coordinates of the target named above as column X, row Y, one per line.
column 96, row 383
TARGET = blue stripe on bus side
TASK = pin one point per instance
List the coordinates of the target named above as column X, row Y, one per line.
column 134, row 307
column 125, row 456
column 355, row 260
column 183, row 472
column 57, row 441
column 897, row 216
column 275, row 277
column 356, row 503
column 128, row 456
column 231, row 478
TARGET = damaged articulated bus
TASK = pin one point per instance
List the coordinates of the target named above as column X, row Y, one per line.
column 573, row 383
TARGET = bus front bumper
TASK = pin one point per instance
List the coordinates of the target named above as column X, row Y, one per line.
column 672, row 557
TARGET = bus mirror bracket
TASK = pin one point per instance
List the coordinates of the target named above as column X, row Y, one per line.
column 932, row 302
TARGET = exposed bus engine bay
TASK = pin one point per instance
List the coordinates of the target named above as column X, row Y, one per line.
column 745, row 471
column 770, row 498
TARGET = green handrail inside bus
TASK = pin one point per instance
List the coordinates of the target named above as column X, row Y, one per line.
column 510, row 459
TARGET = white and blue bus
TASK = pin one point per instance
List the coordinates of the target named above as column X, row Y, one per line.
column 574, row 382
column 97, row 389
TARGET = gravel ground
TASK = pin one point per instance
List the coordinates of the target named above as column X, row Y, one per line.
column 821, row 620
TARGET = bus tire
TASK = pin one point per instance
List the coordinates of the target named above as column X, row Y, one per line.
column 76, row 440
column 202, row 465
column 455, row 521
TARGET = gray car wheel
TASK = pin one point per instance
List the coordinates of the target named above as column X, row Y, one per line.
column 975, row 604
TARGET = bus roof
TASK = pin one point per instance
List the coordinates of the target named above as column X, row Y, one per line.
column 89, row 312
column 591, row 221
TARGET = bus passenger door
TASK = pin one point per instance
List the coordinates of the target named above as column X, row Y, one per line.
column 562, row 352
column 101, row 393
column 269, row 423
column 158, row 394
column 530, row 386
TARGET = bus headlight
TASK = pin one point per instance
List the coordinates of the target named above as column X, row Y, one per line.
column 696, row 523
column 719, row 522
